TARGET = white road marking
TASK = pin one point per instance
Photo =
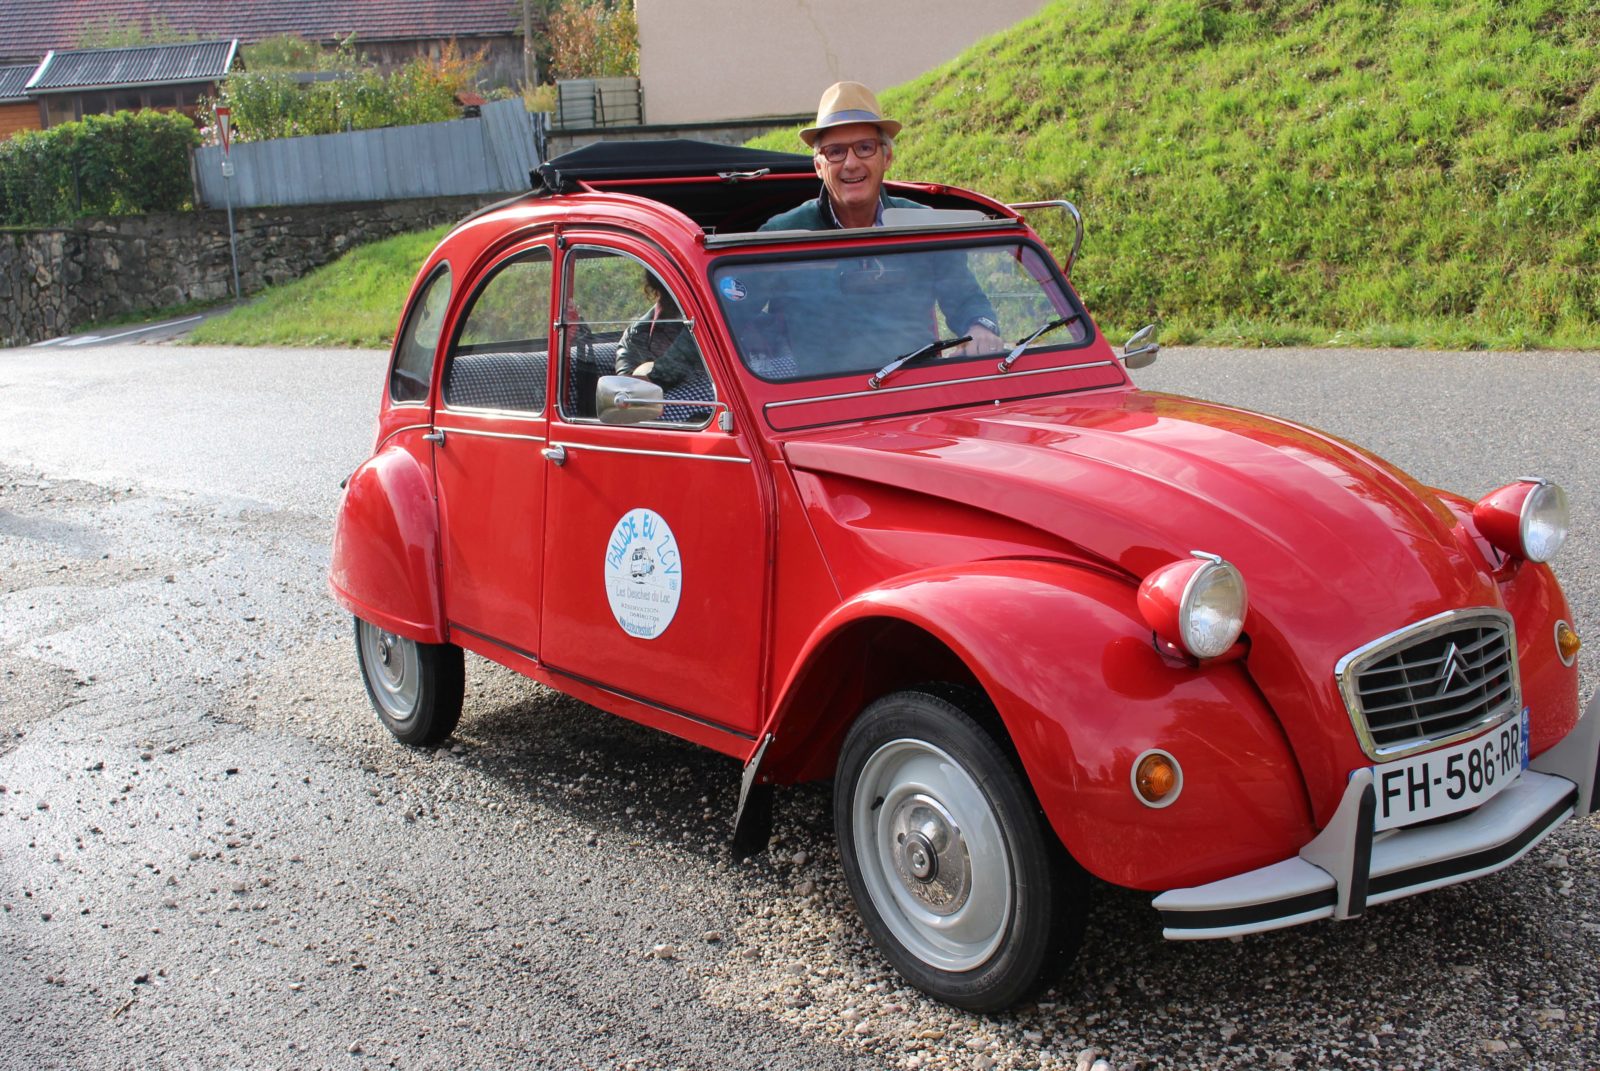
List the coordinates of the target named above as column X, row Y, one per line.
column 86, row 339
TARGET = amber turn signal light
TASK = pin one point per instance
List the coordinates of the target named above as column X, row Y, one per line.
column 1157, row 779
column 1567, row 643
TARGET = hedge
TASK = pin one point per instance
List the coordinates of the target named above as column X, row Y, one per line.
column 126, row 163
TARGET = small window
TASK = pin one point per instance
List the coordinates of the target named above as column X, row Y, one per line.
column 621, row 319
column 164, row 98
column 130, row 101
column 92, row 104
column 500, row 359
column 58, row 110
column 419, row 340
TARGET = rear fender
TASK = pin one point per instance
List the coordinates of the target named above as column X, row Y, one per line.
column 384, row 567
column 1081, row 693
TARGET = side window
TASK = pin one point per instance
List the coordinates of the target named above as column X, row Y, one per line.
column 501, row 352
column 419, row 340
column 621, row 319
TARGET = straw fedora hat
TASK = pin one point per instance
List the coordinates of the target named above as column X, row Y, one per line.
column 844, row 103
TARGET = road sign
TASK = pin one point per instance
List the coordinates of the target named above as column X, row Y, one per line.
column 224, row 125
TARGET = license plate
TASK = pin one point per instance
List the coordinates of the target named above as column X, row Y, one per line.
column 1452, row 779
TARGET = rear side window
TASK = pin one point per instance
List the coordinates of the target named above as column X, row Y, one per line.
column 419, row 340
column 500, row 359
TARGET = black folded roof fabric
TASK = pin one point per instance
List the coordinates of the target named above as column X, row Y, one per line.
column 667, row 158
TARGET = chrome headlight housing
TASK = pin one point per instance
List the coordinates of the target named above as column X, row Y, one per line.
column 1527, row 519
column 1198, row 604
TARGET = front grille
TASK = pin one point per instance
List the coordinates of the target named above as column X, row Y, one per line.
column 1439, row 680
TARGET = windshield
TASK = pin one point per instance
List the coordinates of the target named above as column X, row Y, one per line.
column 856, row 312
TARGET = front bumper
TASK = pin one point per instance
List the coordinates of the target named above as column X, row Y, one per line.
column 1345, row 868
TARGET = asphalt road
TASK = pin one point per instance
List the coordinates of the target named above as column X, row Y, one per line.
column 212, row 856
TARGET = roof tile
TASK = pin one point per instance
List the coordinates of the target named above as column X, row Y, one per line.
column 30, row 28
column 12, row 79
column 160, row 64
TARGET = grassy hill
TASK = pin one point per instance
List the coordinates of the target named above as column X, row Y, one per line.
column 354, row 301
column 1410, row 172
column 1356, row 172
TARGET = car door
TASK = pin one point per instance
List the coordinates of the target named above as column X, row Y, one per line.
column 489, row 428
column 655, row 557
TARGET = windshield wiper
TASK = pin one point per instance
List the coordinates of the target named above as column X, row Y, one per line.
column 930, row 350
column 1023, row 344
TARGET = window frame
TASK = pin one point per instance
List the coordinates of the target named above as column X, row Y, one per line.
column 571, row 256
column 869, row 247
column 441, row 269
column 484, row 280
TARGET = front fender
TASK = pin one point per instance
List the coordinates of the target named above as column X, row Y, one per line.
column 384, row 567
column 1534, row 599
column 1068, row 663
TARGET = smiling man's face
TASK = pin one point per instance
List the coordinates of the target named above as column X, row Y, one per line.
column 853, row 183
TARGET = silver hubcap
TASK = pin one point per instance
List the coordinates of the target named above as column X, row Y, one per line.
column 392, row 669
column 932, row 855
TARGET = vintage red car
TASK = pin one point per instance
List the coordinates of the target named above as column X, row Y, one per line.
column 751, row 488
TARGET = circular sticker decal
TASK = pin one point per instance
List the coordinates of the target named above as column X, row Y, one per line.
column 732, row 289
column 644, row 574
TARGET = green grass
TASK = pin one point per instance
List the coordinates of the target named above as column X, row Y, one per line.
column 1251, row 172
column 354, row 301
column 1271, row 172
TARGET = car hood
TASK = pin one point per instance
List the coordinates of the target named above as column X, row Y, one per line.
column 1336, row 546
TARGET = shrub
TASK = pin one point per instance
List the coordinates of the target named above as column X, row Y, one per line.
column 126, row 163
column 274, row 104
column 594, row 39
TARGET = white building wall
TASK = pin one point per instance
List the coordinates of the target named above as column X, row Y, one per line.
column 701, row 61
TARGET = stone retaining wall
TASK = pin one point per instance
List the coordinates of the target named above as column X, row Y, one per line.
column 56, row 280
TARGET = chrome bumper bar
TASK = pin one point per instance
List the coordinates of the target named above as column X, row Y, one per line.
column 1346, row 868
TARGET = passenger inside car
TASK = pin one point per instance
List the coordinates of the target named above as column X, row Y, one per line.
column 658, row 346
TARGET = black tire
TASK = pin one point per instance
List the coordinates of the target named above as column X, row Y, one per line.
column 960, row 880
column 416, row 688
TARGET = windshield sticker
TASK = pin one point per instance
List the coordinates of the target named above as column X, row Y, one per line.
column 731, row 288
column 644, row 575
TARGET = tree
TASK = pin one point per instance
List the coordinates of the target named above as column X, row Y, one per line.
column 594, row 39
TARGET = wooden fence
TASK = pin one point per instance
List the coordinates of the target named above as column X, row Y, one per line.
column 489, row 154
column 591, row 102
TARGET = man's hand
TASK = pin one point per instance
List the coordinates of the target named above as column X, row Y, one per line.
column 983, row 341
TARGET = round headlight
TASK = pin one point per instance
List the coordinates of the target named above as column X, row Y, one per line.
column 1544, row 521
column 1198, row 604
column 1212, row 614
column 1527, row 519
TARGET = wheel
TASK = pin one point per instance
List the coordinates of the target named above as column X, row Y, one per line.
column 961, row 883
column 416, row 688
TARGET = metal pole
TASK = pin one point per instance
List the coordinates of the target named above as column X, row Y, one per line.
column 530, row 62
column 224, row 126
column 233, row 247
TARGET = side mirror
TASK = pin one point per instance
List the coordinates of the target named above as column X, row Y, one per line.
column 626, row 400
column 1140, row 351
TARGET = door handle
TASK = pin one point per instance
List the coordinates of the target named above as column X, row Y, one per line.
column 434, row 436
column 556, row 455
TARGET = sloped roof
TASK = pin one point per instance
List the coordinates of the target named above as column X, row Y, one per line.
column 12, row 79
column 93, row 68
column 34, row 27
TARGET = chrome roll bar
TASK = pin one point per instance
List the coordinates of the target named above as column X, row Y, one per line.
column 1077, row 222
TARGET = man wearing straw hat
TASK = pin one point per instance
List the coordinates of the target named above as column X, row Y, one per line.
column 852, row 146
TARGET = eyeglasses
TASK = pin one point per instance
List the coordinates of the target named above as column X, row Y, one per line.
column 865, row 149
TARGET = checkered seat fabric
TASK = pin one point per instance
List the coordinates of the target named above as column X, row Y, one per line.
column 698, row 389
column 496, row 380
